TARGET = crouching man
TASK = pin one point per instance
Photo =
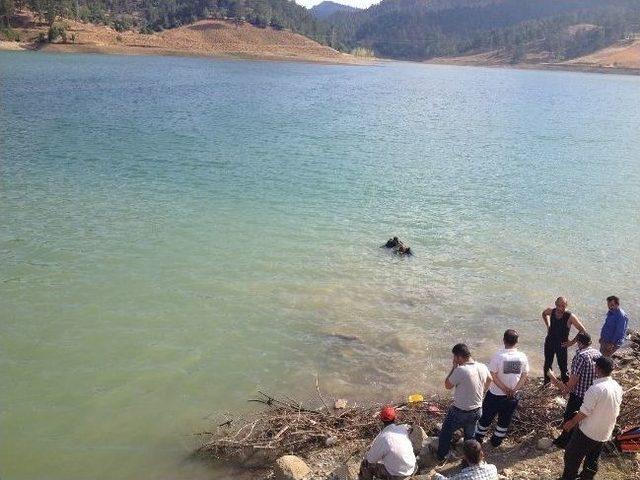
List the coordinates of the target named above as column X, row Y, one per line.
column 390, row 456
column 476, row 469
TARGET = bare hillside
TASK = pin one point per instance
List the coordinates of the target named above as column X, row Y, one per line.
column 206, row 38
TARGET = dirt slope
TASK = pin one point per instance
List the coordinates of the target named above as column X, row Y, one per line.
column 206, row 38
column 622, row 55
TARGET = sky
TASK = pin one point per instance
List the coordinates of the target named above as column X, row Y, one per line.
column 353, row 3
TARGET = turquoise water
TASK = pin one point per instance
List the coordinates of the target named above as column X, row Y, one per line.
column 177, row 233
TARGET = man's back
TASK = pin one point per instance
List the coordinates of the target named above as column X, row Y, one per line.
column 584, row 367
column 393, row 448
column 469, row 380
column 601, row 406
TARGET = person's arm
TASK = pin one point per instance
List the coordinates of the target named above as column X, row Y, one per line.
column 377, row 451
column 575, row 321
column 521, row 382
column 620, row 329
column 488, row 381
column 452, row 379
column 570, row 424
column 500, row 384
column 546, row 317
column 570, row 386
column 606, row 333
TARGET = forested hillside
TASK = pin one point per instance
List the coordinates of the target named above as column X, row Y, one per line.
column 147, row 16
column 419, row 29
column 520, row 30
column 325, row 9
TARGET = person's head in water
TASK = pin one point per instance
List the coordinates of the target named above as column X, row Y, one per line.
column 461, row 353
column 510, row 338
column 604, row 366
column 561, row 305
column 583, row 340
column 395, row 239
column 613, row 302
column 472, row 451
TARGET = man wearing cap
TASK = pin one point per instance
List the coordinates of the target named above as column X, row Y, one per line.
column 390, row 456
column 583, row 373
column 470, row 379
column 593, row 424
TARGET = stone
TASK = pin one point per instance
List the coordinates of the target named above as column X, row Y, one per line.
column 290, row 467
column 340, row 404
column 418, row 438
column 427, row 455
column 507, row 472
column 545, row 443
column 330, row 441
column 346, row 471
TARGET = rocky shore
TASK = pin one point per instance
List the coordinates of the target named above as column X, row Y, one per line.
column 289, row 441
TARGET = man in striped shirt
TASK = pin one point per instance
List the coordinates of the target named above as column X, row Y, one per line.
column 583, row 373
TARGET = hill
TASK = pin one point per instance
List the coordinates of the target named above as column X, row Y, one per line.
column 221, row 38
column 422, row 29
column 326, row 9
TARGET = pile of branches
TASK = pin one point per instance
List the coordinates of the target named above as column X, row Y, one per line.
column 287, row 426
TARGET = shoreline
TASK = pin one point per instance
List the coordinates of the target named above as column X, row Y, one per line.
column 340, row 59
column 329, row 441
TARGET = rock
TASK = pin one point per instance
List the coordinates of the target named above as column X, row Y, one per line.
column 507, row 472
column 545, row 443
column 346, row 471
column 340, row 404
column 330, row 441
column 290, row 467
column 560, row 401
column 427, row 455
column 418, row 438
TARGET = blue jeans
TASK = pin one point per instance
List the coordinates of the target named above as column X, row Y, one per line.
column 455, row 419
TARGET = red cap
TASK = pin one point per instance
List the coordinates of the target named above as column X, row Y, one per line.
column 388, row 413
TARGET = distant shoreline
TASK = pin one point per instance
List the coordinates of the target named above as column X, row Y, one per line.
column 347, row 60
column 167, row 52
column 565, row 67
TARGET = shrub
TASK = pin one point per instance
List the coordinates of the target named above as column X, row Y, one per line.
column 55, row 32
column 9, row 34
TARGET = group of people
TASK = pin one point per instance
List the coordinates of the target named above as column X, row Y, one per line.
column 481, row 393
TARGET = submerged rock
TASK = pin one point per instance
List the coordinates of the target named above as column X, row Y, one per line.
column 290, row 467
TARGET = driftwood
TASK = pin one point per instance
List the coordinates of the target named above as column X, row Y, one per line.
column 286, row 426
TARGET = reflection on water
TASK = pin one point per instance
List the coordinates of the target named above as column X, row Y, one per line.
column 177, row 233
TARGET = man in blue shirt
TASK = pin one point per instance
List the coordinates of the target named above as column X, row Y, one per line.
column 615, row 327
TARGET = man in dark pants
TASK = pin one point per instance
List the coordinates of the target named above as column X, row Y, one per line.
column 593, row 424
column 509, row 369
column 558, row 322
column 470, row 379
column 583, row 373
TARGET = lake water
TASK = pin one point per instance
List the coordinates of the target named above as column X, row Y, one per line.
column 177, row 233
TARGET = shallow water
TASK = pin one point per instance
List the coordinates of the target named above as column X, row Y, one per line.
column 177, row 233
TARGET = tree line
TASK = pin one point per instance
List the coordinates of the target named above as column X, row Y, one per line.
column 414, row 30
column 155, row 15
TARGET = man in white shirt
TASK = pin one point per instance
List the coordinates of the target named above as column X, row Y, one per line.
column 470, row 380
column 390, row 456
column 509, row 369
column 595, row 422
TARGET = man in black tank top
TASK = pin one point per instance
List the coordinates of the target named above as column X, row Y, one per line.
column 558, row 322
